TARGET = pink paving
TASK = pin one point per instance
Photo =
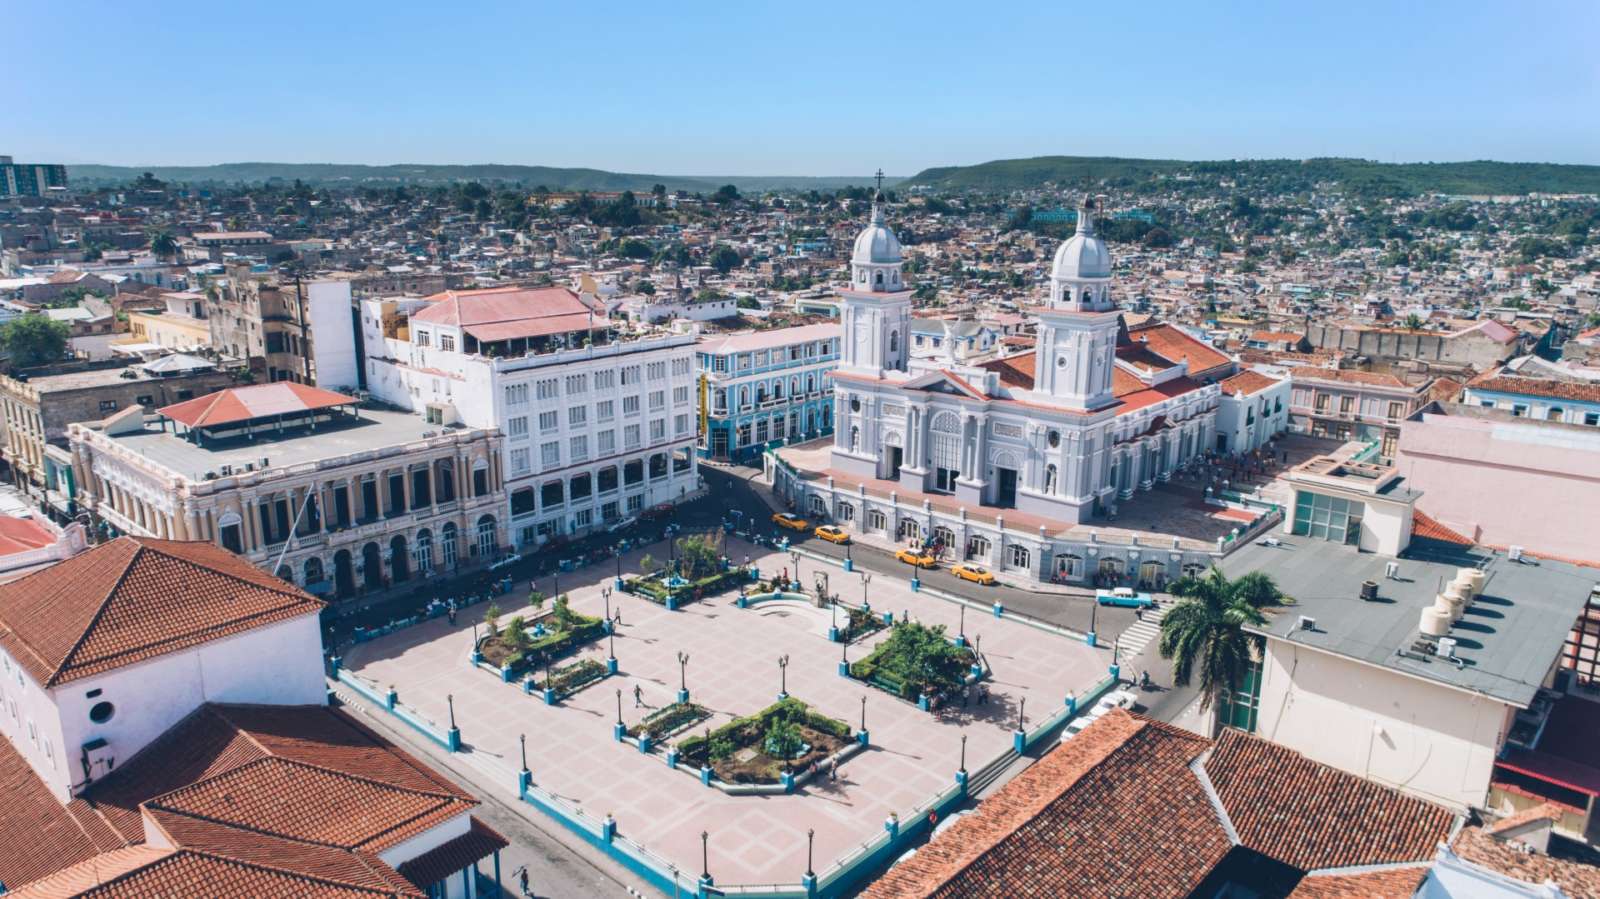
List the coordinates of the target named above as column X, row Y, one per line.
column 733, row 670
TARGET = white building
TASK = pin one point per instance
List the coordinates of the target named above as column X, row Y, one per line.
column 1253, row 410
column 595, row 429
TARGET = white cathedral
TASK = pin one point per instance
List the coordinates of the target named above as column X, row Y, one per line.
column 1061, row 433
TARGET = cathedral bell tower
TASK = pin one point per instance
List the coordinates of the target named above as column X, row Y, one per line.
column 876, row 308
column 1077, row 344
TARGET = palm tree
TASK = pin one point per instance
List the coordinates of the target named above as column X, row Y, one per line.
column 163, row 244
column 1206, row 630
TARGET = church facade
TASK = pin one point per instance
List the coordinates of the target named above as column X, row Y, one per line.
column 1060, row 434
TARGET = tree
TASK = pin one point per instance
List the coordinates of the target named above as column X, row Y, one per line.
column 562, row 613
column 658, row 190
column 724, row 259
column 163, row 244
column 491, row 618
column 725, row 194
column 1413, row 322
column 1206, row 630
column 700, row 554
column 536, row 599
column 516, row 634
column 34, row 340
column 647, row 563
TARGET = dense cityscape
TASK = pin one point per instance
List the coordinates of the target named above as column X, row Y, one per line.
column 1209, row 514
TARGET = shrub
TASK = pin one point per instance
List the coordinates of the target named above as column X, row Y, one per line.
column 491, row 618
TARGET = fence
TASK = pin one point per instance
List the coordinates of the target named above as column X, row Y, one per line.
column 449, row 740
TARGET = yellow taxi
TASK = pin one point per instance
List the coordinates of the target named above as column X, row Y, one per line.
column 832, row 533
column 792, row 522
column 974, row 573
column 916, row 557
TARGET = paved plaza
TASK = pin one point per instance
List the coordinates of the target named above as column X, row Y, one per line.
column 733, row 670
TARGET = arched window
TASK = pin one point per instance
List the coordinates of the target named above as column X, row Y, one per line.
column 1069, row 565
column 448, row 547
column 777, row 389
column 313, row 571
column 879, row 279
column 894, row 341
column 425, row 552
column 487, row 542
column 1020, row 557
column 1088, row 299
column 744, row 397
column 846, row 512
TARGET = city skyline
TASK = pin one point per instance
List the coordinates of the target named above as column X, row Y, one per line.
column 650, row 92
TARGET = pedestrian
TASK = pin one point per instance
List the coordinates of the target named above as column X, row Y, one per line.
column 450, row 613
column 983, row 694
column 638, row 696
column 618, row 616
column 966, row 694
column 522, row 880
column 833, row 769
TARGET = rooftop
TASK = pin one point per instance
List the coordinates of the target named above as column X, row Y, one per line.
column 1506, row 641
column 763, row 340
column 371, row 429
column 241, row 404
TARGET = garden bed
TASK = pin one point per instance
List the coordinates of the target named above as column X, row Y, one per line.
column 569, row 679
column 860, row 624
column 787, row 735
column 655, row 589
column 669, row 720
column 915, row 661
column 520, row 647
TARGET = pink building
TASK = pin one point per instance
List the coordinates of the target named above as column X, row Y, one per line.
column 1505, row 480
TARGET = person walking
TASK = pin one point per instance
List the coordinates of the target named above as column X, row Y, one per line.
column 638, row 696
column 522, row 881
column 450, row 613
column 966, row 694
column 983, row 694
column 833, row 769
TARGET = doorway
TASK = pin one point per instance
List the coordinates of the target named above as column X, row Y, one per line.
column 896, row 456
column 1006, row 488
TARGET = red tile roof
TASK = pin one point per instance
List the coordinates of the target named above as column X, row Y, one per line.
column 1388, row 883
column 276, row 801
column 18, row 535
column 1173, row 343
column 133, row 599
column 1424, row 525
column 1246, row 382
column 1121, row 810
column 1347, row 376
column 438, row 863
column 241, row 404
column 1541, row 387
column 1480, row 847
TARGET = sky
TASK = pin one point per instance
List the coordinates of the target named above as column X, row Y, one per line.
column 814, row 88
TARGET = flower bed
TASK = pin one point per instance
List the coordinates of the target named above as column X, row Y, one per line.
column 916, row 660
column 569, row 679
column 655, row 589
column 566, row 631
column 668, row 720
column 860, row 623
column 741, row 751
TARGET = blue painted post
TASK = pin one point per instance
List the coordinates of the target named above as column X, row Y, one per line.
column 619, row 584
column 608, row 625
column 1116, row 672
column 705, row 775
column 844, row 669
column 391, row 699
column 672, row 757
column 916, row 584
column 960, row 640
column 888, row 618
column 961, row 781
column 833, row 634
column 922, row 701
column 1089, row 638
column 849, row 565
column 999, row 609
column 683, row 695
column 608, row 829
column 524, row 781
column 672, row 604
column 744, row 601
column 862, row 737
column 809, row 881
column 334, row 664
column 617, row 730
column 787, row 779
column 505, row 674
column 611, row 665
column 977, row 671
column 644, row 744
column 527, row 684
column 892, row 826
column 549, row 696
column 475, row 657
column 1072, row 704
column 705, row 886
column 452, row 739
column 1019, row 741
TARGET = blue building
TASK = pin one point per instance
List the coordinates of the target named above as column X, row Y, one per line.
column 765, row 388
column 1572, row 402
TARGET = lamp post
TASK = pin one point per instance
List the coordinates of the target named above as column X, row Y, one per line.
column 961, row 628
column 866, row 578
column 863, row 714
column 523, row 739
column 683, row 676
column 450, row 700
column 1022, row 712
column 783, row 676
column 963, row 767
column 619, row 706
column 794, row 556
column 811, row 836
column 705, row 856
column 605, row 593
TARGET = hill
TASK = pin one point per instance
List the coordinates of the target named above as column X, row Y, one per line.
column 1359, row 175
column 529, row 176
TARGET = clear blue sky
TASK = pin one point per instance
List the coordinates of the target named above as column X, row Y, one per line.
column 817, row 88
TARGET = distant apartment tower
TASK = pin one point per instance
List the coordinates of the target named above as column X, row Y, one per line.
column 21, row 179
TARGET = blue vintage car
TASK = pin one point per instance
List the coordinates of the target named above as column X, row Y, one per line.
column 1125, row 597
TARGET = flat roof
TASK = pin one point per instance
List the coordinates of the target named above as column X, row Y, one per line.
column 345, row 436
column 1506, row 640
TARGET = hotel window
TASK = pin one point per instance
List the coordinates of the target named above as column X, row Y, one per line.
column 1517, row 409
column 547, row 389
column 742, row 438
column 549, row 421
column 1395, row 410
column 577, row 384
column 605, row 410
column 656, row 371
column 630, row 437
column 579, row 448
column 1328, row 518
column 635, row 504
column 680, row 366
column 1345, row 404
column 630, row 405
column 606, row 442
column 680, row 395
column 605, row 380
column 518, row 427
column 519, row 461
column 424, row 338
column 1322, row 402
column 719, row 363
column 583, row 518
column 777, row 428
column 876, row 520
column 550, row 454
column 516, row 394
column 630, row 375
column 658, row 430
column 658, row 400
column 1020, row 557
column 447, row 342
column 680, row 425
column 577, row 416
column 1554, row 414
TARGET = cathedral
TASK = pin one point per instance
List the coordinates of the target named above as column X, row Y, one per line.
column 1060, row 433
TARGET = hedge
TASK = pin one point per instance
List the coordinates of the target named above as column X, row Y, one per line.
column 584, row 629
column 693, row 748
column 670, row 719
column 571, row 678
column 654, row 590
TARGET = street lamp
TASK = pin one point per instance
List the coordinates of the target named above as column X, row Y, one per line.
column 783, row 675
column 605, row 593
column 683, row 675
column 705, row 855
column 866, row 578
column 961, row 629
column 963, row 753
column 863, row 714
column 523, row 739
column 794, row 556
column 450, row 700
column 619, row 705
column 1022, row 708
column 811, row 836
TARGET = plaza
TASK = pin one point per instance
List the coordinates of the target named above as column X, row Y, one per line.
column 733, row 671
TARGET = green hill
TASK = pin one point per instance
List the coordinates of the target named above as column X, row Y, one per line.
column 1388, row 179
column 529, row 176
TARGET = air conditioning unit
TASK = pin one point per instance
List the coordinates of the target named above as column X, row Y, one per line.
column 1446, row 648
column 227, row 470
column 1392, row 571
column 1369, row 591
column 1307, row 623
column 1514, row 553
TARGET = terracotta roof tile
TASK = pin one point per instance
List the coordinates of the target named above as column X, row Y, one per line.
column 436, row 864
column 134, row 599
column 241, row 404
column 1390, row 883
column 1424, row 525
column 1246, row 382
column 188, row 873
column 1478, row 846
column 1173, row 343
column 55, row 837
column 1548, row 388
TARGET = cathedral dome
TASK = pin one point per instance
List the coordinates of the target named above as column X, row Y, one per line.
column 1084, row 255
column 876, row 244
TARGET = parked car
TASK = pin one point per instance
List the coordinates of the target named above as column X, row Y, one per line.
column 916, row 557
column 1124, row 597
column 790, row 521
column 833, row 533
column 977, row 574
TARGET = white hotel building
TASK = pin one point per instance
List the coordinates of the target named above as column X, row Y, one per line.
column 596, row 429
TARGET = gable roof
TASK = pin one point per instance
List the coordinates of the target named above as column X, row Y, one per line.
column 506, row 313
column 1172, row 342
column 1134, row 807
column 133, row 599
column 240, row 404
